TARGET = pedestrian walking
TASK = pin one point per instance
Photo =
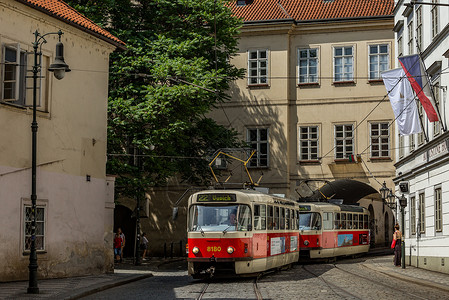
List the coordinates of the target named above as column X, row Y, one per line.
column 397, row 236
column 144, row 245
column 122, row 236
column 117, row 247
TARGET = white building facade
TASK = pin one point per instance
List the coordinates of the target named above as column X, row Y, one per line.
column 423, row 159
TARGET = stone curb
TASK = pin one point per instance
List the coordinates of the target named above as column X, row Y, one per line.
column 102, row 286
column 418, row 281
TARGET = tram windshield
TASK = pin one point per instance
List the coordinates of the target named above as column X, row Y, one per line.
column 220, row 218
column 309, row 221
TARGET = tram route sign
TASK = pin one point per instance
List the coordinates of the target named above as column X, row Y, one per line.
column 304, row 208
column 221, row 197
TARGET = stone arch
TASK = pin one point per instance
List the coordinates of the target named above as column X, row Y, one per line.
column 123, row 219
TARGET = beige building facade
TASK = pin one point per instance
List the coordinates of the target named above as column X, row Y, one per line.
column 314, row 107
column 75, row 198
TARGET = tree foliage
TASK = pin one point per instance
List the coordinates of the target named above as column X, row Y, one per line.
column 174, row 71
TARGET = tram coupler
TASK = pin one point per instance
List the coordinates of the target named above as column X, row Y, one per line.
column 211, row 271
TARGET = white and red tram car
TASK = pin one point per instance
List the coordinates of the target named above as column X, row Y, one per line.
column 328, row 230
column 246, row 232
column 264, row 235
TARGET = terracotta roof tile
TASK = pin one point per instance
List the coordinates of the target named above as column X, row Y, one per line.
column 309, row 10
column 61, row 10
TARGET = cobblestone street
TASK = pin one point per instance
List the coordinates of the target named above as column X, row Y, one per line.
column 363, row 278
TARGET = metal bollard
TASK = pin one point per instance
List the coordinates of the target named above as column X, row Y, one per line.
column 171, row 250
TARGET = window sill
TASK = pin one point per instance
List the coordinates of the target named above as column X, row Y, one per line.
column 344, row 160
column 344, row 83
column 27, row 252
column 258, row 86
column 380, row 159
column 13, row 105
column 376, row 81
column 309, row 162
column 308, row 85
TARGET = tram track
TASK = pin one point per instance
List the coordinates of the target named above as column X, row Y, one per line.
column 395, row 288
column 256, row 290
column 343, row 293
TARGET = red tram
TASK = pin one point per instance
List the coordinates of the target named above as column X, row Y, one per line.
column 329, row 230
column 246, row 232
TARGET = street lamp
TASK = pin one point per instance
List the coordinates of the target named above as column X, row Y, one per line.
column 59, row 67
column 384, row 191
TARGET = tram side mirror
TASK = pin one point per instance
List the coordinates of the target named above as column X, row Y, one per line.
column 175, row 213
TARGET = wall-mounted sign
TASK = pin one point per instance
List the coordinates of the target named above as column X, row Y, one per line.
column 436, row 151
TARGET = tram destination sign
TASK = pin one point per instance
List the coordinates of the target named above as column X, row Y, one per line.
column 217, row 198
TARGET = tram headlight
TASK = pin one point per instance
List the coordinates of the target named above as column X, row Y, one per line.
column 306, row 242
column 230, row 250
column 195, row 250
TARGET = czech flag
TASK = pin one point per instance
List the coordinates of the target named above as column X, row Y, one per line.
column 416, row 74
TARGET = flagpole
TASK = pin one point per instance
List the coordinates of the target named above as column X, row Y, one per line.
column 431, row 87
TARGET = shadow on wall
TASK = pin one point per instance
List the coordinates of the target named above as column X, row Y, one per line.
column 259, row 111
column 123, row 219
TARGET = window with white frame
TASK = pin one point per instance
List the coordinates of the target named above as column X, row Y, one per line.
column 419, row 27
column 436, row 125
column 40, row 227
column 410, row 37
column 344, row 141
column 343, row 63
column 308, row 65
column 380, row 140
column 400, row 46
column 438, row 211
column 308, row 142
column 421, row 116
column 258, row 67
column 422, row 213
column 411, row 142
column 257, row 138
column 412, row 215
column 401, row 145
column 16, row 84
column 14, row 74
column 434, row 14
column 378, row 60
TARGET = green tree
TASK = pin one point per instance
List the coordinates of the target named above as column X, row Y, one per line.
column 174, row 71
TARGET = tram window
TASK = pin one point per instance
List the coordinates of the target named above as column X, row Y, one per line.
column 348, row 221
column 297, row 219
column 316, row 221
column 213, row 218
column 292, row 219
column 327, row 221
column 356, row 221
column 244, row 218
column 365, row 221
column 343, row 221
column 337, row 221
column 283, row 219
column 270, row 217
column 276, row 218
column 360, row 221
column 260, row 217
